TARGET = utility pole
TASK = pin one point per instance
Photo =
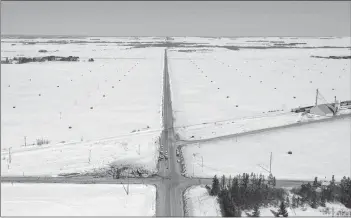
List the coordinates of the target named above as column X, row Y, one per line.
column 270, row 164
column 10, row 158
column 128, row 183
column 316, row 97
column 193, row 169
column 25, row 141
column 89, row 156
column 202, row 163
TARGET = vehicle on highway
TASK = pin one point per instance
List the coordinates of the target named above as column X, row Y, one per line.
column 177, row 152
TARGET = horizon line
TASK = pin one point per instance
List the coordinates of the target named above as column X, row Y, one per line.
column 164, row 36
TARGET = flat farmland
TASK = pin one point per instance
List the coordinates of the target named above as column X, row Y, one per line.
column 317, row 150
column 211, row 87
column 114, row 102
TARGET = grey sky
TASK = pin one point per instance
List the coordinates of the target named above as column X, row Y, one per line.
column 209, row 18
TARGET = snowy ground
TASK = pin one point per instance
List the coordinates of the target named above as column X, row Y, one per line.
column 139, row 150
column 103, row 110
column 319, row 149
column 77, row 200
column 72, row 94
column 200, row 203
column 335, row 210
column 221, row 85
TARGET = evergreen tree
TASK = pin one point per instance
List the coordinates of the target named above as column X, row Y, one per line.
column 215, row 186
column 282, row 210
column 271, row 180
column 298, row 201
column 345, row 191
column 315, row 182
column 287, row 201
column 228, row 207
column 331, row 190
column 223, row 183
column 323, row 200
column 235, row 191
column 314, row 199
column 229, row 185
column 245, row 181
column 256, row 212
column 294, row 202
column 332, row 182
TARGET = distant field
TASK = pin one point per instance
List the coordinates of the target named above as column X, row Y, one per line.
column 221, row 85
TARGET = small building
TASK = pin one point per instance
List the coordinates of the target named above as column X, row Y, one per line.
column 345, row 103
column 322, row 110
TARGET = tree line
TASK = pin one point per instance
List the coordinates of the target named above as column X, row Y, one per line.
column 250, row 192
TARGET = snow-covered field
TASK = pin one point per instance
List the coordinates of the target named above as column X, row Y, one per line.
column 226, row 85
column 318, row 149
column 97, row 100
column 102, row 110
column 139, row 150
column 77, row 200
column 267, row 41
column 200, row 203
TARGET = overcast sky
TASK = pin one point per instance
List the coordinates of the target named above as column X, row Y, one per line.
column 209, row 18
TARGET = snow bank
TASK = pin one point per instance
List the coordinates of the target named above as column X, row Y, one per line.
column 77, row 200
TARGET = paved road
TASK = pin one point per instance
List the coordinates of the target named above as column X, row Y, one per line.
column 79, row 180
column 170, row 202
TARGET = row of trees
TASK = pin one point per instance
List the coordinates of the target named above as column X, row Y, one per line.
column 23, row 60
column 250, row 192
column 246, row 192
column 317, row 194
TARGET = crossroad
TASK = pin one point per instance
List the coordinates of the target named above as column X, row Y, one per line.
column 170, row 182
